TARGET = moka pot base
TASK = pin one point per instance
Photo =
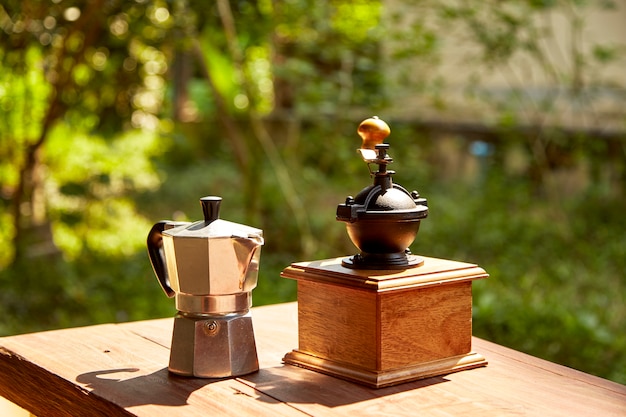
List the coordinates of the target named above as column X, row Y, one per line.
column 384, row 327
column 213, row 346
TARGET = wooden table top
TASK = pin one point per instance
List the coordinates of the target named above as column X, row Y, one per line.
column 121, row 369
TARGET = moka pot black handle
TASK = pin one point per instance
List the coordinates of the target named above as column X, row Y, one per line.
column 155, row 252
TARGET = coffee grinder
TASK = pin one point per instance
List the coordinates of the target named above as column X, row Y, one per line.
column 383, row 316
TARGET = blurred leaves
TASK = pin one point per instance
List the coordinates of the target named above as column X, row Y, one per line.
column 91, row 184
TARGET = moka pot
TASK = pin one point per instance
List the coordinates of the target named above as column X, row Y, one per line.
column 210, row 267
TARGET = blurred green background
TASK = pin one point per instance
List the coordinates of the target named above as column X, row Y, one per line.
column 508, row 116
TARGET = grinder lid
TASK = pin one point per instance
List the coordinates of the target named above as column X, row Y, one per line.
column 383, row 200
column 377, row 203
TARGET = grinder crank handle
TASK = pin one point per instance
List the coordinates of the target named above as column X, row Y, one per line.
column 155, row 245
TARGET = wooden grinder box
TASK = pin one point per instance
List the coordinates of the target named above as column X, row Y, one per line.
column 382, row 328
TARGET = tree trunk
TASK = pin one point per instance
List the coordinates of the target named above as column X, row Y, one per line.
column 28, row 204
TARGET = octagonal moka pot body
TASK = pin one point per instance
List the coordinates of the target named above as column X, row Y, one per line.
column 210, row 267
column 383, row 219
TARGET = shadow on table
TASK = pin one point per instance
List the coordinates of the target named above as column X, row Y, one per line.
column 286, row 384
column 296, row 385
column 159, row 388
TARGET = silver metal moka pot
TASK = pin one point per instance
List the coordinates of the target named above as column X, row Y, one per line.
column 210, row 267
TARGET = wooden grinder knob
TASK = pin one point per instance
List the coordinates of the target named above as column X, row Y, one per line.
column 373, row 131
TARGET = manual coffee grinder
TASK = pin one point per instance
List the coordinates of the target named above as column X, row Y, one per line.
column 210, row 267
column 383, row 316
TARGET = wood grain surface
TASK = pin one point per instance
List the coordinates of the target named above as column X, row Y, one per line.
column 121, row 370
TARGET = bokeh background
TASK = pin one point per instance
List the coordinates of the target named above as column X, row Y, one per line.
column 508, row 116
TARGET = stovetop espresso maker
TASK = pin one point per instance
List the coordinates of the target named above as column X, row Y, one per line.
column 210, row 267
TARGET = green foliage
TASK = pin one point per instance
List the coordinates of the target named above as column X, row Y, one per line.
column 334, row 46
column 95, row 288
column 23, row 96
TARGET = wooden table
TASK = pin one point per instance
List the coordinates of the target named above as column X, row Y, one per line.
column 121, row 370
